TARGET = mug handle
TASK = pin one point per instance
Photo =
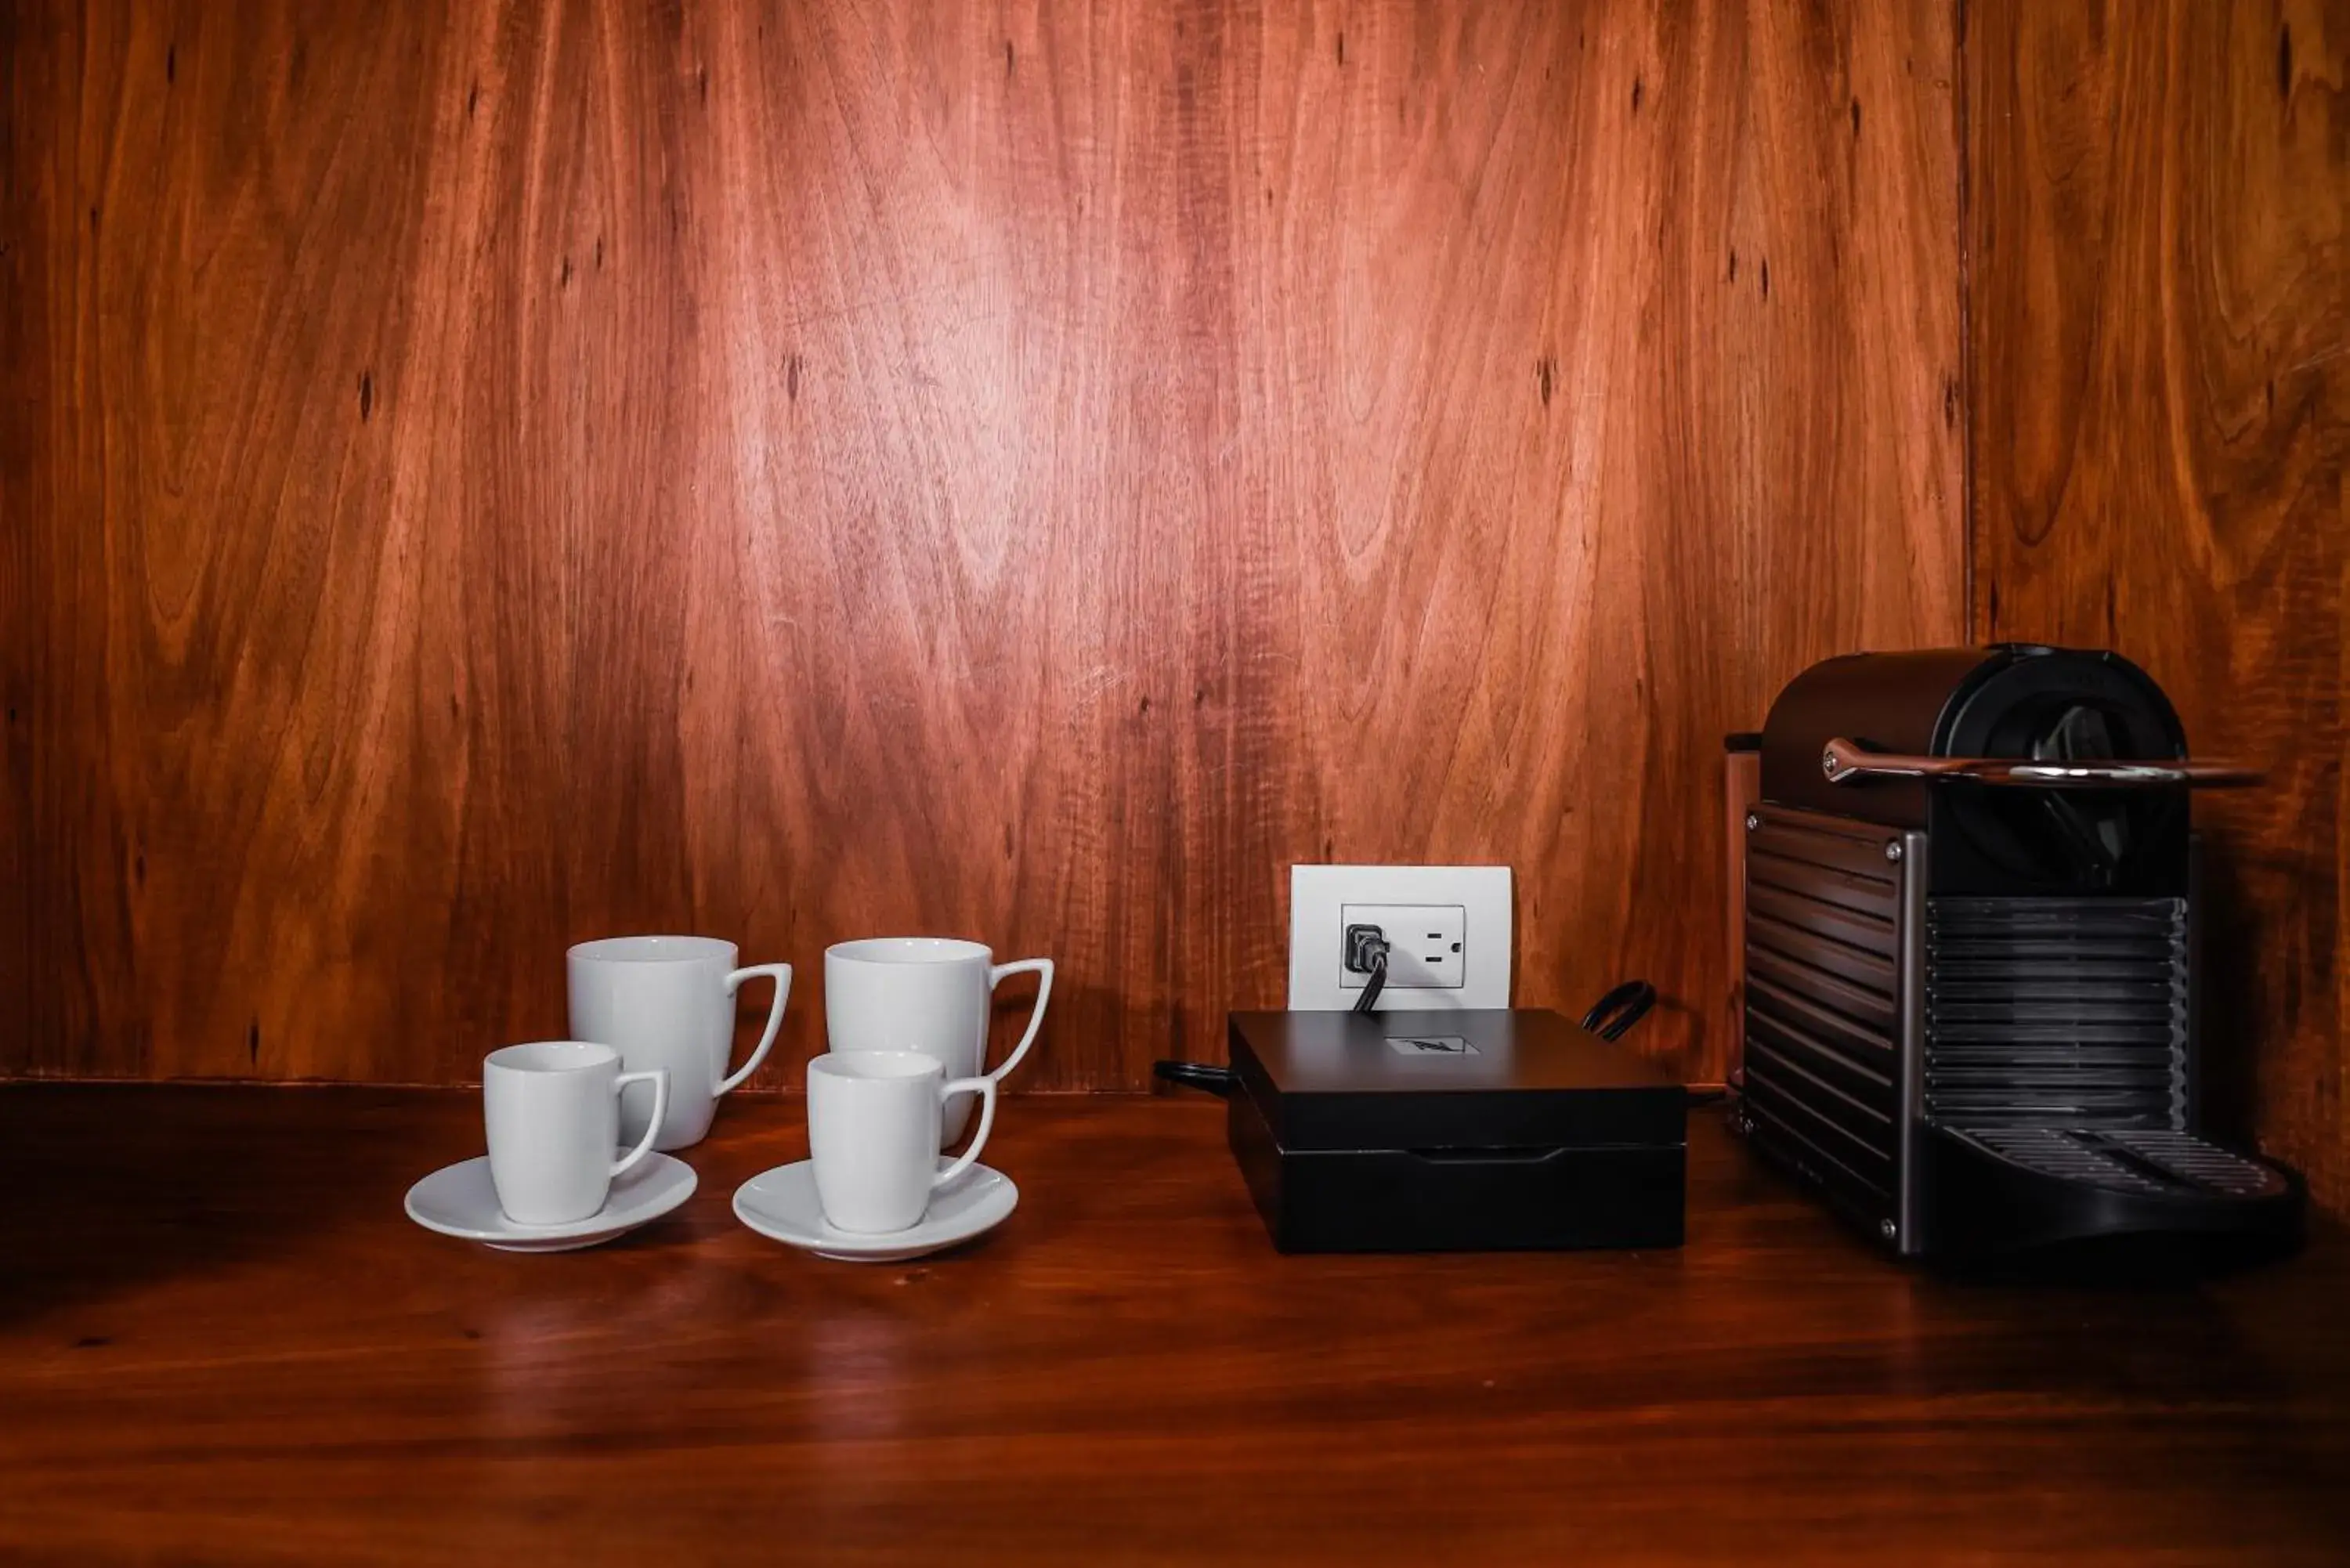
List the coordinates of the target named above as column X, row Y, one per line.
column 1043, row 969
column 658, row 1079
column 985, row 1089
column 781, row 973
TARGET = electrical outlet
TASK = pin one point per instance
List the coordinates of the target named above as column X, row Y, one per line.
column 1427, row 944
column 1425, row 911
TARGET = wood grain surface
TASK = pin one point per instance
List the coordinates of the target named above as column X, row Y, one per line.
column 2160, row 328
column 220, row 1341
column 484, row 476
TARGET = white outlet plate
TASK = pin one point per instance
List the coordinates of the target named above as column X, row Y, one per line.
column 1320, row 896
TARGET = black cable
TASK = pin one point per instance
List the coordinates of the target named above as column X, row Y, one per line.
column 1621, row 1008
column 1366, row 953
column 1610, row 1018
column 1376, row 984
column 1215, row 1080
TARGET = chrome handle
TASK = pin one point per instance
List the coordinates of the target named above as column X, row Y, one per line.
column 1844, row 763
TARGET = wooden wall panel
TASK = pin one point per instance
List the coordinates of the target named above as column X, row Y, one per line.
column 27, row 81
column 2160, row 324
column 496, row 474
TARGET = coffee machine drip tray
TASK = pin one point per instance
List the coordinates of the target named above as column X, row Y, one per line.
column 2021, row 1187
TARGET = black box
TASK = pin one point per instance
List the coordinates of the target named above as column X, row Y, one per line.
column 1407, row 1132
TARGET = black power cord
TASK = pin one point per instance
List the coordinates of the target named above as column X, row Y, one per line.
column 1610, row 1018
column 1366, row 953
column 1613, row 1015
column 1621, row 1008
column 1221, row 1081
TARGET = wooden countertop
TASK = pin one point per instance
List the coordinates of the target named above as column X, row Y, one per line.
column 219, row 1340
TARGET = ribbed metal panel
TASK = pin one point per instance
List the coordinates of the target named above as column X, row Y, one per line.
column 2056, row 1011
column 2155, row 1164
column 2201, row 1164
column 1823, row 1003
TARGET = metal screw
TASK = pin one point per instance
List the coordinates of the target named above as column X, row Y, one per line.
column 1753, row 821
column 1827, row 763
column 1893, row 852
column 1889, row 1230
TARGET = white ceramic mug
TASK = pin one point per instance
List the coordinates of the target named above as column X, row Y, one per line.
column 552, row 1111
column 669, row 1002
column 873, row 1135
column 930, row 994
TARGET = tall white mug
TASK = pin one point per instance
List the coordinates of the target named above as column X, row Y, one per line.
column 930, row 994
column 873, row 1135
column 669, row 1002
column 552, row 1111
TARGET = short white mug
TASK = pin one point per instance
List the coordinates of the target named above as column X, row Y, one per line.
column 669, row 1002
column 930, row 994
column 552, row 1111
column 873, row 1135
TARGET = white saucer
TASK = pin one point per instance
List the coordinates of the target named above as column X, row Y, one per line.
column 458, row 1201
column 781, row 1203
